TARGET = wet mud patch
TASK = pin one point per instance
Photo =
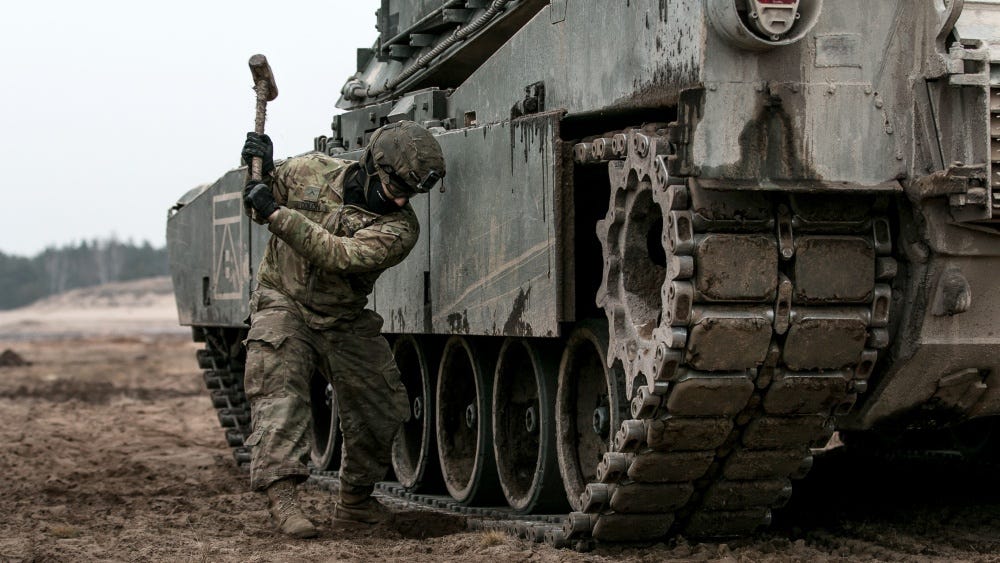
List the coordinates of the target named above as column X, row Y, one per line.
column 407, row 523
column 858, row 505
column 93, row 392
column 419, row 524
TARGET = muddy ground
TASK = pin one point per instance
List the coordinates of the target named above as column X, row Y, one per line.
column 110, row 450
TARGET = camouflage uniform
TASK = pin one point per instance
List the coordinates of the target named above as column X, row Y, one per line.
column 308, row 314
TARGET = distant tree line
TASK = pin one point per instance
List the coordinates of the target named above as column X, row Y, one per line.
column 86, row 263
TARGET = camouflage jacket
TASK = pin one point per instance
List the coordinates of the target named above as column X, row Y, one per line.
column 323, row 254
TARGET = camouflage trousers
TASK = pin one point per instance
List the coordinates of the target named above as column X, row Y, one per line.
column 283, row 354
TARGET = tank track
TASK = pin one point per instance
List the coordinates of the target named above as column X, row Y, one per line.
column 733, row 372
column 537, row 528
column 222, row 362
column 223, row 378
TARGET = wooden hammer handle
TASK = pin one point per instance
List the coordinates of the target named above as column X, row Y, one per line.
column 256, row 163
column 267, row 90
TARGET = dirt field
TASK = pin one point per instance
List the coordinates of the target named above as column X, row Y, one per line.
column 111, row 451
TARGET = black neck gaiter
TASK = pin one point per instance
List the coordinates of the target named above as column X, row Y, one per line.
column 354, row 187
column 375, row 200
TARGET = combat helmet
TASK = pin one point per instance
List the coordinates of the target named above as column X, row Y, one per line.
column 405, row 156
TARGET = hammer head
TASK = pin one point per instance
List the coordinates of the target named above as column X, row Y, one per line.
column 262, row 77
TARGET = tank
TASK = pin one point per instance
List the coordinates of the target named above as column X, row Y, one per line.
column 679, row 245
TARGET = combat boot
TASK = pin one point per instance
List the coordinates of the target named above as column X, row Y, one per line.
column 361, row 508
column 283, row 503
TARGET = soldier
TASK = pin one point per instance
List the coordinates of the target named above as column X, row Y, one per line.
column 336, row 226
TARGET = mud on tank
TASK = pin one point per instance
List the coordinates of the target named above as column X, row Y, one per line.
column 681, row 243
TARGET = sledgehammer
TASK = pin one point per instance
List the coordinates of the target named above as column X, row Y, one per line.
column 267, row 90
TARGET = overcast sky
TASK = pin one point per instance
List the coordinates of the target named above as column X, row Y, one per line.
column 111, row 110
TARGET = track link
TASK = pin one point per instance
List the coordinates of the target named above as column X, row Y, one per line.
column 537, row 528
column 744, row 325
column 222, row 362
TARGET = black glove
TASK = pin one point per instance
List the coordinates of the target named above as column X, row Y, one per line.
column 259, row 198
column 259, row 146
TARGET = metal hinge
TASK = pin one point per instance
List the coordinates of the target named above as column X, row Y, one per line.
column 965, row 185
column 533, row 101
column 968, row 66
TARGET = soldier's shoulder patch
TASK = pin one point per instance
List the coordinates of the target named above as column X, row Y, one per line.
column 326, row 162
column 317, row 163
column 399, row 224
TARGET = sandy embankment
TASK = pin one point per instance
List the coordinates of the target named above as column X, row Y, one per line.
column 141, row 307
